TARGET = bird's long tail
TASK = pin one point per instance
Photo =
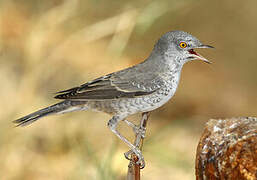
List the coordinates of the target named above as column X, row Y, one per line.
column 62, row 107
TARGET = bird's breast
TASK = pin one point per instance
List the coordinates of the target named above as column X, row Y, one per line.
column 161, row 96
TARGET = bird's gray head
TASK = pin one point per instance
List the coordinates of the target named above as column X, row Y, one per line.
column 179, row 46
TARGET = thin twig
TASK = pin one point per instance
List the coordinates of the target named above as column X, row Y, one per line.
column 133, row 167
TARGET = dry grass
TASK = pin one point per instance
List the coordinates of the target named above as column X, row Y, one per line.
column 47, row 46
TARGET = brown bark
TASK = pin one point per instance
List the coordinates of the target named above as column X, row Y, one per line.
column 228, row 150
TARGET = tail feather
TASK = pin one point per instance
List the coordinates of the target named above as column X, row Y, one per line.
column 54, row 109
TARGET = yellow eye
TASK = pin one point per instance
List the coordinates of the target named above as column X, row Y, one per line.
column 183, row 45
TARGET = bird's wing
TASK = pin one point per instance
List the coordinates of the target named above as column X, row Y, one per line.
column 128, row 83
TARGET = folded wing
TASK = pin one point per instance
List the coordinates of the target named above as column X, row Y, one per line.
column 128, row 83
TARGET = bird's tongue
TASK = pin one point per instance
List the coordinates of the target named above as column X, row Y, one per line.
column 191, row 51
column 195, row 54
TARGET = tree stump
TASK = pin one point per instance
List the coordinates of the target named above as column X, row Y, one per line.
column 228, row 150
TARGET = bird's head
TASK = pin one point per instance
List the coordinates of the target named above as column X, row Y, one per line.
column 180, row 46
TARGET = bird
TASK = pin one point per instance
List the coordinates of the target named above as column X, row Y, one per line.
column 141, row 88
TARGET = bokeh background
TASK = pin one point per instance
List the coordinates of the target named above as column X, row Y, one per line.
column 51, row 45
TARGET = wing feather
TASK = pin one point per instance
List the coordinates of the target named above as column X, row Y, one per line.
column 128, row 83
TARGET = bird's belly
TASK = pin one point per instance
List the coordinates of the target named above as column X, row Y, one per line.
column 145, row 103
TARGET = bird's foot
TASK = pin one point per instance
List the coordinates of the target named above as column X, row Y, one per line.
column 135, row 152
column 128, row 155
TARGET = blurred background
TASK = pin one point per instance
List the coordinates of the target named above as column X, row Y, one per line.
column 51, row 45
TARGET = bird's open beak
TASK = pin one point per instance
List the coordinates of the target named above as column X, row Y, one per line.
column 198, row 56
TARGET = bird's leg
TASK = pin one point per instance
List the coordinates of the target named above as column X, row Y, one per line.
column 139, row 135
column 136, row 129
column 112, row 124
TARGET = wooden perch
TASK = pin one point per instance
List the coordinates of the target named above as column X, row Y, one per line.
column 228, row 150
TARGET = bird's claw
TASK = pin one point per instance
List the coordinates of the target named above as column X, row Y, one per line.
column 128, row 155
column 141, row 163
column 140, row 159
